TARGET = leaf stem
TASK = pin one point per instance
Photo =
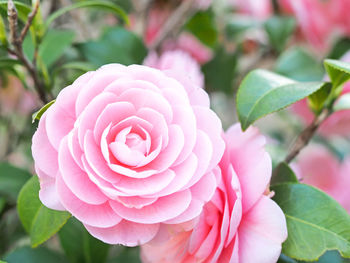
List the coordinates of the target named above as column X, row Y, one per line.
column 306, row 135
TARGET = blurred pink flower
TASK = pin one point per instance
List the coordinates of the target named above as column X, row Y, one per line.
column 240, row 223
column 318, row 167
column 156, row 19
column 190, row 44
column 179, row 61
column 319, row 20
column 14, row 98
column 260, row 9
column 127, row 149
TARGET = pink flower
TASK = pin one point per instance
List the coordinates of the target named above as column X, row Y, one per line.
column 179, row 61
column 127, row 149
column 318, row 167
column 190, row 44
column 156, row 19
column 318, row 20
column 240, row 223
column 260, row 9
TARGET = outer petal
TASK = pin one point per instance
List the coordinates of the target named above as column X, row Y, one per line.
column 250, row 161
column 125, row 233
column 261, row 233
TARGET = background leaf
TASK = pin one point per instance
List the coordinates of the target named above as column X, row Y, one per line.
column 37, row 255
column 80, row 246
column 11, row 180
column 343, row 103
column 263, row 92
column 297, row 64
column 54, row 44
column 316, row 223
column 37, row 115
column 95, row 4
column 39, row 221
column 117, row 45
column 279, row 29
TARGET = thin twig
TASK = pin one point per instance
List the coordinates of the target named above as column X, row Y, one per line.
column 306, row 135
column 29, row 21
column 18, row 49
column 174, row 23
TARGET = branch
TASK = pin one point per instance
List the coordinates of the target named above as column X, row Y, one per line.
column 306, row 135
column 18, row 49
column 29, row 21
column 174, row 23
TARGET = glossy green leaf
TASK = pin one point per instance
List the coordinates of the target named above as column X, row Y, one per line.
column 203, row 26
column 338, row 71
column 8, row 63
column 103, row 5
column 279, row 29
column 37, row 115
column 283, row 174
column 343, row 103
column 318, row 100
column 117, row 45
column 339, row 48
column 37, row 255
column 80, row 246
column 11, row 180
column 39, row 221
column 297, row 64
column 263, row 92
column 54, row 44
column 316, row 222
column 3, row 38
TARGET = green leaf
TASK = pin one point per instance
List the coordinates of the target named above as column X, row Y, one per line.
column 263, row 92
column 8, row 63
column 338, row 71
column 297, row 64
column 3, row 38
column 237, row 26
column 220, row 71
column 2, row 205
column 80, row 246
column 37, row 115
column 279, row 29
column 39, row 221
column 11, row 180
column 54, row 44
column 203, row 26
column 343, row 103
column 283, row 174
column 103, row 5
column 37, row 255
column 78, row 65
column 316, row 222
column 339, row 48
column 117, row 45
column 319, row 99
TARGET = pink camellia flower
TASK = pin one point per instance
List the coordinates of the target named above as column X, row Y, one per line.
column 319, row 20
column 260, row 9
column 240, row 223
column 127, row 149
column 318, row 167
column 177, row 60
column 190, row 44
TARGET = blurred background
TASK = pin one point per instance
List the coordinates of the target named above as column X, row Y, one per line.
column 223, row 39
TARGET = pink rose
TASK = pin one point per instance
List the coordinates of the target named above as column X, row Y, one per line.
column 127, row 149
column 179, row 61
column 318, row 167
column 318, row 20
column 260, row 9
column 190, row 44
column 240, row 223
